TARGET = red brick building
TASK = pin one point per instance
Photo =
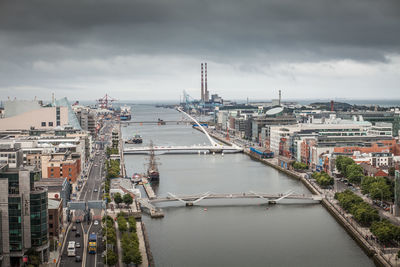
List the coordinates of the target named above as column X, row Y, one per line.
column 55, row 210
column 389, row 146
column 61, row 165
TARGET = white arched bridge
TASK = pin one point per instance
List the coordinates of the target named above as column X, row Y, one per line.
column 190, row 200
column 214, row 147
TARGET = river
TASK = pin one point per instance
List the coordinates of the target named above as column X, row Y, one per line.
column 232, row 232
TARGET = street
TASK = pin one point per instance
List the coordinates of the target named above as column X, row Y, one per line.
column 91, row 190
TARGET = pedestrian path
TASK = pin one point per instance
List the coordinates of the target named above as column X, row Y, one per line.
column 119, row 253
column 142, row 246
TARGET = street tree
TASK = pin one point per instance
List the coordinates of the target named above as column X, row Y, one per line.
column 117, row 198
column 127, row 198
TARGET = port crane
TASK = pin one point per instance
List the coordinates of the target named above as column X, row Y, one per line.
column 105, row 101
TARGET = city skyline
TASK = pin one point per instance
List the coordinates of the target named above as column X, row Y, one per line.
column 153, row 50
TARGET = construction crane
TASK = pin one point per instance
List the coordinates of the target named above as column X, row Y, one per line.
column 105, row 101
column 188, row 100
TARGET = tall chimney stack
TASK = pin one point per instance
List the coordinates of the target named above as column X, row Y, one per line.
column 202, row 86
column 280, row 97
column 332, row 106
column 206, row 95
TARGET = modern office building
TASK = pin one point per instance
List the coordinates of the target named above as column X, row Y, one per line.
column 24, row 215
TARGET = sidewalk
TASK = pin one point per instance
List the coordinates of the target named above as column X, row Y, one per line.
column 119, row 252
column 142, row 245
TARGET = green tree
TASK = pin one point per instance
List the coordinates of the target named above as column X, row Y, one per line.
column 299, row 165
column 137, row 257
column 122, row 224
column 117, row 198
column 112, row 258
column 132, row 224
column 354, row 173
column 379, row 189
column 366, row 184
column 365, row 214
column 323, row 179
column 383, row 230
column 342, row 162
column 127, row 198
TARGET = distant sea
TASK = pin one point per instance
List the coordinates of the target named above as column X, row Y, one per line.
column 379, row 102
column 365, row 102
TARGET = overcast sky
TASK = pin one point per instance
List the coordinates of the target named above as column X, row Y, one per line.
column 152, row 49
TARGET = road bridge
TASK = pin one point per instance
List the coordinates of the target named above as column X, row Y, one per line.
column 190, row 200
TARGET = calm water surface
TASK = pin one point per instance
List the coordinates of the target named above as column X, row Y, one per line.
column 233, row 233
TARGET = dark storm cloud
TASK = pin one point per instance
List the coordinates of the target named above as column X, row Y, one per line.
column 283, row 30
column 88, row 46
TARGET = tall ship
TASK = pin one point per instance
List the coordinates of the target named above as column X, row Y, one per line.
column 125, row 114
column 152, row 171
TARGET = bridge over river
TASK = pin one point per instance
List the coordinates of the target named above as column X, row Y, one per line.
column 183, row 149
column 214, row 147
column 190, row 200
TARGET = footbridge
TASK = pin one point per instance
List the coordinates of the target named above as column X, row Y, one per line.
column 214, row 147
column 190, row 200
column 155, row 122
column 182, row 149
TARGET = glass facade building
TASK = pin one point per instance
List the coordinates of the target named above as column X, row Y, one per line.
column 27, row 215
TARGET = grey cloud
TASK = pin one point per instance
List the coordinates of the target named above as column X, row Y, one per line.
column 40, row 38
column 343, row 29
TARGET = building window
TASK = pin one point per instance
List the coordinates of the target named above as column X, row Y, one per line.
column 50, row 123
column 51, row 226
column 43, row 124
column 50, row 216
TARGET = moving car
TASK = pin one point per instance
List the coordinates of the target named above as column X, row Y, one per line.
column 77, row 245
column 78, row 258
column 96, row 222
column 73, row 228
column 77, row 234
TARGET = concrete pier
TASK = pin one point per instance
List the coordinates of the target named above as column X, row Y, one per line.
column 147, row 187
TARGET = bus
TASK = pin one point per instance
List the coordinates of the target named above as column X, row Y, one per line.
column 71, row 249
column 92, row 243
